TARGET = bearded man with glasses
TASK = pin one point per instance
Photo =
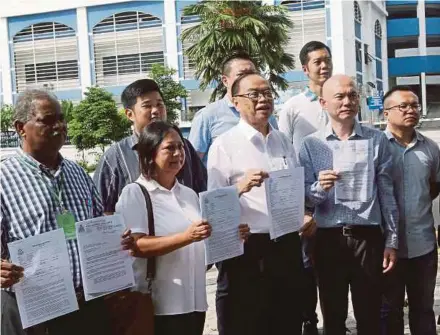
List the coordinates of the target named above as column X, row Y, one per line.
column 416, row 174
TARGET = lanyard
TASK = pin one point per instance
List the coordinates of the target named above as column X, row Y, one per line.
column 55, row 190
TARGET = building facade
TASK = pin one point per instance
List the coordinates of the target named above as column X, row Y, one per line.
column 67, row 46
column 414, row 49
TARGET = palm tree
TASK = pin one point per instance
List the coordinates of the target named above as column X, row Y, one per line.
column 229, row 27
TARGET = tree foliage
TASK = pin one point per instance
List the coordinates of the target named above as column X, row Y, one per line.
column 172, row 91
column 229, row 27
column 6, row 117
column 96, row 121
column 67, row 109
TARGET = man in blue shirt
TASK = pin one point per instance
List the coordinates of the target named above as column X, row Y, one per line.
column 221, row 115
column 350, row 250
column 416, row 173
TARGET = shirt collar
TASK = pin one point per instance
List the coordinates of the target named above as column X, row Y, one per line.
column 134, row 140
column 357, row 130
column 310, row 95
column 36, row 165
column 152, row 185
column 228, row 102
column 249, row 131
column 419, row 137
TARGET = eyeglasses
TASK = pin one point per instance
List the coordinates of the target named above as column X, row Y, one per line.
column 407, row 107
column 255, row 95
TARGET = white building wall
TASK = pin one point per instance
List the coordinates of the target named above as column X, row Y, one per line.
column 5, row 61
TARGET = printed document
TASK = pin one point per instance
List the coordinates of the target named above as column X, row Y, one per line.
column 105, row 267
column 354, row 162
column 285, row 200
column 221, row 208
column 46, row 290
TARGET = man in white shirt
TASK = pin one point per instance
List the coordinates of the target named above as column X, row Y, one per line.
column 260, row 291
column 300, row 116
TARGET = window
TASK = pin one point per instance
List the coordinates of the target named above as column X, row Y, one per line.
column 128, row 64
column 46, row 53
column 358, row 50
column 125, row 46
column 357, row 12
column 378, row 29
column 48, row 71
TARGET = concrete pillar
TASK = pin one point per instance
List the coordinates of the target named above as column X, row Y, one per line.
column 171, row 36
column 84, row 49
column 5, row 61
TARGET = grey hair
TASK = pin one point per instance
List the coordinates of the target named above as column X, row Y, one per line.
column 25, row 106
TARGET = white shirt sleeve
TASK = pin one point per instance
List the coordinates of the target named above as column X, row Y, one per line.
column 131, row 206
column 286, row 119
column 219, row 165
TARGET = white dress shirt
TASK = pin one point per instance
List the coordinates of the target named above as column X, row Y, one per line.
column 180, row 284
column 243, row 148
column 300, row 116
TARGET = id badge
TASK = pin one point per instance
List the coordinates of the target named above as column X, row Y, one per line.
column 66, row 220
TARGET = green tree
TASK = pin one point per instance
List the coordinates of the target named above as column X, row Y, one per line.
column 229, row 27
column 96, row 121
column 67, row 108
column 6, row 117
column 172, row 91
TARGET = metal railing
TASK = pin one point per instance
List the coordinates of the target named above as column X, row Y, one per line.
column 10, row 139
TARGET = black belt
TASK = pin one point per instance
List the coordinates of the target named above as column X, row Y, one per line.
column 352, row 230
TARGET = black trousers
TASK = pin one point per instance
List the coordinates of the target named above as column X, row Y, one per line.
column 350, row 262
column 259, row 293
column 182, row 324
column 310, row 288
column 90, row 319
column 416, row 275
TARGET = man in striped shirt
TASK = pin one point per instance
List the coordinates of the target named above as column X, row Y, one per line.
column 37, row 187
column 144, row 103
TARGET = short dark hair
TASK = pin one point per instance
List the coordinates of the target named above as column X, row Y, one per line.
column 149, row 140
column 226, row 65
column 398, row 88
column 236, row 84
column 25, row 106
column 310, row 47
column 137, row 89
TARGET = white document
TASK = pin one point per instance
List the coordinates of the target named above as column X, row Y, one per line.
column 285, row 200
column 46, row 290
column 105, row 267
column 354, row 162
column 221, row 208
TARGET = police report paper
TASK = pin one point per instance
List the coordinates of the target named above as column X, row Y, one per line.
column 105, row 267
column 354, row 162
column 285, row 200
column 221, row 208
column 46, row 290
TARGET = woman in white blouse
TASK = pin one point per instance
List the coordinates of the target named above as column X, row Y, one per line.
column 179, row 288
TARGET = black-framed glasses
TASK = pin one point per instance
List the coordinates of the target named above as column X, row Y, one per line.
column 406, row 107
column 254, row 95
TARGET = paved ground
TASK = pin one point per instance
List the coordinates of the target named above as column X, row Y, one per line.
column 211, row 320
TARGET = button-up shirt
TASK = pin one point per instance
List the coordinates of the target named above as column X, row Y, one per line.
column 212, row 121
column 415, row 167
column 316, row 155
column 119, row 166
column 300, row 116
column 180, row 283
column 29, row 208
column 243, row 148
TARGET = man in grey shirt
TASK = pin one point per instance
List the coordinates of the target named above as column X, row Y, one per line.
column 416, row 172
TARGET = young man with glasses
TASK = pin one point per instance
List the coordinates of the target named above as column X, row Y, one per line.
column 416, row 173
column 261, row 288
